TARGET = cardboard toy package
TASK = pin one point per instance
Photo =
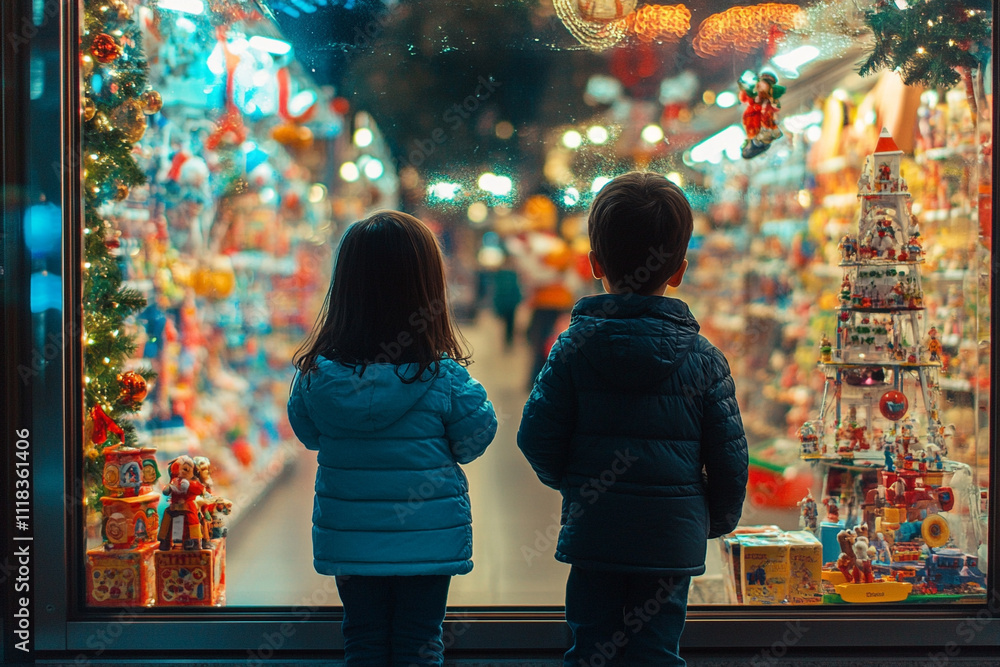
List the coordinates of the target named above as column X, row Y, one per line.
column 120, row 578
column 192, row 578
column 765, row 566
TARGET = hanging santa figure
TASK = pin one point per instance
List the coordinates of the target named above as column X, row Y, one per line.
column 760, row 118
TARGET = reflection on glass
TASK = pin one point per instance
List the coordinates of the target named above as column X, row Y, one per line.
column 497, row 124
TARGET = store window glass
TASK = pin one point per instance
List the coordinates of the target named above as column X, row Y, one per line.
column 840, row 260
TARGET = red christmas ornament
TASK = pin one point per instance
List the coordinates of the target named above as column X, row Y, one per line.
column 105, row 48
column 133, row 387
column 893, row 405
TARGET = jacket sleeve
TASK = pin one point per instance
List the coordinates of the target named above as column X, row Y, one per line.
column 471, row 422
column 724, row 451
column 298, row 417
column 549, row 418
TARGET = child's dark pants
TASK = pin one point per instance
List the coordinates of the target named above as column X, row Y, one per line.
column 620, row 618
column 393, row 621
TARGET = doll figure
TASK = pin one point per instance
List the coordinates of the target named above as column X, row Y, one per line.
column 934, row 346
column 760, row 117
column 212, row 509
column 832, row 505
column 862, row 560
column 184, row 489
column 883, row 554
column 825, row 350
column 848, row 248
column 847, row 561
column 808, row 519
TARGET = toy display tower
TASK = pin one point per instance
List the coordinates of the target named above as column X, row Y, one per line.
column 120, row 573
column 879, row 364
column 879, row 436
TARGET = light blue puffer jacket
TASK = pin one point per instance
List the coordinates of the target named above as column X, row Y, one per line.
column 391, row 498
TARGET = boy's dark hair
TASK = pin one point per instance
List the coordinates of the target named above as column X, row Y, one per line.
column 387, row 301
column 640, row 225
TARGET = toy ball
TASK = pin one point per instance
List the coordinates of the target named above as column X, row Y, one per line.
column 893, row 405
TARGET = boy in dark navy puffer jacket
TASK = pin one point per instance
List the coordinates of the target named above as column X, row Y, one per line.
column 634, row 419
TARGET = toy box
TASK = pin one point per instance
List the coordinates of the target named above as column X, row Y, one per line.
column 130, row 522
column 805, row 556
column 191, row 578
column 119, row 578
column 765, row 566
column 766, row 570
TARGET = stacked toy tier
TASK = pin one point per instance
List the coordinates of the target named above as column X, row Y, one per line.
column 120, row 573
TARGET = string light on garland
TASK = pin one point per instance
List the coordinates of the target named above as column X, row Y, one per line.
column 745, row 29
column 114, row 118
column 596, row 24
column 659, row 23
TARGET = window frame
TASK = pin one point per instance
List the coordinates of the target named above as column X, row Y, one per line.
column 64, row 624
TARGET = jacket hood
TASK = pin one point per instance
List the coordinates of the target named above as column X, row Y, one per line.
column 633, row 340
column 341, row 397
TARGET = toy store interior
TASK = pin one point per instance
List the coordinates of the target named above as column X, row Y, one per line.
column 837, row 156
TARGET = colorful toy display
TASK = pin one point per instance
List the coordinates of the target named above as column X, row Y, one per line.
column 120, row 572
column 195, row 573
column 877, row 355
column 879, row 436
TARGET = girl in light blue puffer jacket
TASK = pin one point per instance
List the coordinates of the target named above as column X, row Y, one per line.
column 383, row 396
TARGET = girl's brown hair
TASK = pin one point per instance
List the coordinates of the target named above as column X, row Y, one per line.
column 387, row 300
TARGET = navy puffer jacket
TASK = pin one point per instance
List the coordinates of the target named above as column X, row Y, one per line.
column 391, row 498
column 634, row 419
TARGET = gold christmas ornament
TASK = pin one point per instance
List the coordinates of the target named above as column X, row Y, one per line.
column 101, row 122
column 89, row 108
column 124, row 11
column 151, row 102
column 121, row 192
column 130, row 119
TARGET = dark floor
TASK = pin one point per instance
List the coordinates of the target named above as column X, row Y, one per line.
column 895, row 658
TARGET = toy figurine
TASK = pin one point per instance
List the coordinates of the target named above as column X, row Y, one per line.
column 934, row 345
column 180, row 519
column 760, row 117
column 847, row 562
column 884, row 174
column 862, row 558
column 848, row 248
column 825, row 350
column 808, row 439
column 890, row 453
column 832, row 505
column 808, row 515
column 883, row 554
column 212, row 509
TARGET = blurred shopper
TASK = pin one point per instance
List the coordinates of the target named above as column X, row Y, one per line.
column 506, row 298
column 634, row 419
column 543, row 259
column 383, row 395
